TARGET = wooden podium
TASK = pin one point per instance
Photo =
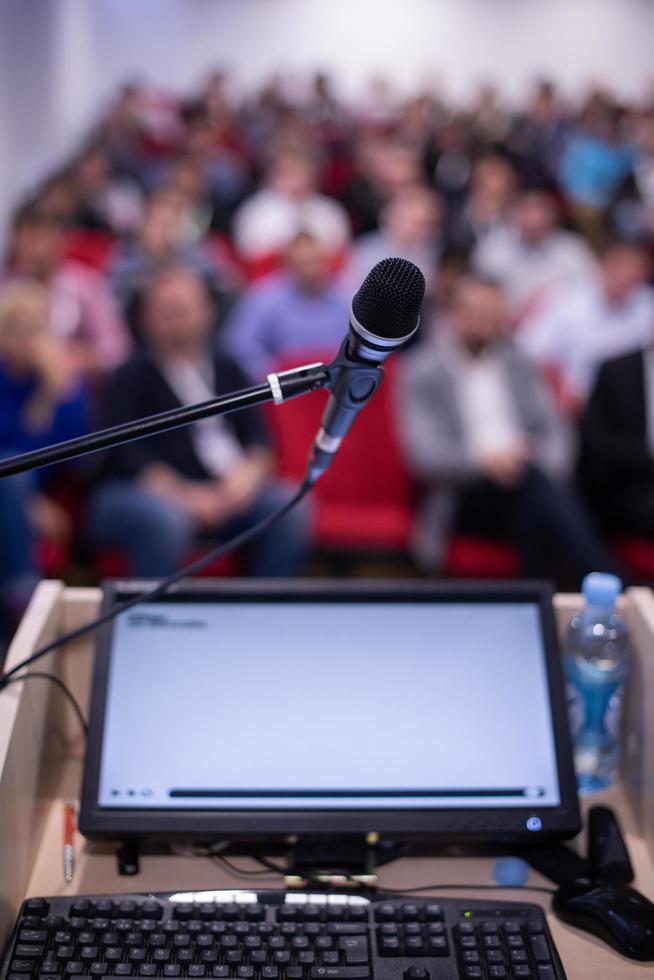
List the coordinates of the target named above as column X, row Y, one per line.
column 41, row 758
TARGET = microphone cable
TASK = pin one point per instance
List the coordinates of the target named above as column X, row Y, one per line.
column 214, row 554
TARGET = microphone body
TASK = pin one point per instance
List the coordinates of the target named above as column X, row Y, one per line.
column 385, row 315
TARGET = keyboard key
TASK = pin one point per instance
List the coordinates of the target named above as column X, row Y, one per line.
column 351, row 928
column 416, row 973
column 468, row 942
column 269, row 973
column 389, row 946
column 294, row 973
column 307, row 958
column 28, row 952
column 218, row 971
column 518, row 956
column 332, row 958
column 465, row 929
column 163, row 955
column 535, row 927
column 437, row 946
column 174, row 970
column 124, row 970
column 497, row 971
column 74, row 968
column 340, row 973
column 385, row 913
column 32, row 935
column 433, row 913
column 414, row 946
column 540, row 949
column 494, row 956
column 196, row 970
column 259, row 956
column 410, row 912
column 524, row 973
column 355, row 949
column 99, row 969
column 490, row 928
column 105, row 906
column 512, row 928
column 37, row 906
column 23, row 966
column 473, row 972
column 282, row 957
column 491, row 942
column 90, row 953
column 546, row 973
column 245, row 972
column 471, row 956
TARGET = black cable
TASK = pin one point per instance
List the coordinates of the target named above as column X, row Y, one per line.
column 188, row 571
column 41, row 675
column 242, row 872
column 460, row 887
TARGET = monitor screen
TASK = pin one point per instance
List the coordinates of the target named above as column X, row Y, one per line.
column 328, row 704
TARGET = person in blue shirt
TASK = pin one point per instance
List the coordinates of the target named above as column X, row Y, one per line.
column 41, row 402
column 303, row 309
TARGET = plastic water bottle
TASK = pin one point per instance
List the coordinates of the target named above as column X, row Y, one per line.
column 596, row 661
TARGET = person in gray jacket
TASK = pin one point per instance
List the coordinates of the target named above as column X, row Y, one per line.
column 482, row 433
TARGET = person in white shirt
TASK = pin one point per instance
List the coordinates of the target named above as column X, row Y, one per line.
column 268, row 221
column 533, row 255
column 592, row 321
column 481, row 432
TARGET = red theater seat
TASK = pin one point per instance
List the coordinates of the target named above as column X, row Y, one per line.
column 473, row 557
column 113, row 564
column 366, row 501
column 638, row 555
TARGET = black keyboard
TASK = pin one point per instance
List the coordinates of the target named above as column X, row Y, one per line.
column 278, row 935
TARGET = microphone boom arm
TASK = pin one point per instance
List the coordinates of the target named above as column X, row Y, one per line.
column 278, row 388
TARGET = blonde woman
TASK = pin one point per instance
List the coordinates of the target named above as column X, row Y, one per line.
column 41, row 401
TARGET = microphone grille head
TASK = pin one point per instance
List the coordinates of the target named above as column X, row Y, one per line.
column 389, row 300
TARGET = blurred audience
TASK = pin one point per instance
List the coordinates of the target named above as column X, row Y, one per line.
column 84, row 313
column 483, row 436
column 302, row 310
column 214, row 478
column 189, row 225
column 42, row 401
column 532, row 255
column 592, row 320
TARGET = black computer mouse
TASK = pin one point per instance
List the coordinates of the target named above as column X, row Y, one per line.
column 612, row 911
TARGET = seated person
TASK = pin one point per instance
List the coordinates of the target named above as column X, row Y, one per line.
column 533, row 255
column 268, row 220
column 592, row 321
column 616, row 463
column 213, row 478
column 409, row 229
column 481, row 432
column 85, row 315
column 304, row 309
column 41, row 402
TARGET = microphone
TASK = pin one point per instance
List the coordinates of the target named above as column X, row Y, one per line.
column 385, row 315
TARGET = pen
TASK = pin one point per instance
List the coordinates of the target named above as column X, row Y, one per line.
column 70, row 825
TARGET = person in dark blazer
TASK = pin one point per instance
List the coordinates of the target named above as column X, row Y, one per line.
column 616, row 460
column 212, row 478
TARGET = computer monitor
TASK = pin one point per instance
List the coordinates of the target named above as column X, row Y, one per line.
column 245, row 709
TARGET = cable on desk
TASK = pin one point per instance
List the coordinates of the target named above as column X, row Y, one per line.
column 65, row 690
column 460, row 887
column 220, row 551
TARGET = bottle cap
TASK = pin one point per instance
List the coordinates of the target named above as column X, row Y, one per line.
column 601, row 589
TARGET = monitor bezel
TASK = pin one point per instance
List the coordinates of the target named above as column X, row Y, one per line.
column 491, row 825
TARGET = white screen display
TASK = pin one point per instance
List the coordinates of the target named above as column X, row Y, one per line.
column 310, row 705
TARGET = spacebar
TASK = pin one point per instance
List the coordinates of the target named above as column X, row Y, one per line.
column 339, row 972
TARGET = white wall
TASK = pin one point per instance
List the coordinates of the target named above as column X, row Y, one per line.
column 60, row 59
